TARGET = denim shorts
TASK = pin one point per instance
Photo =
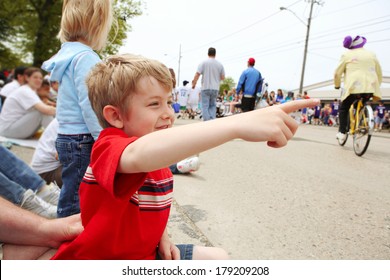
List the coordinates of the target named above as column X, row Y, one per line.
column 379, row 120
column 186, row 251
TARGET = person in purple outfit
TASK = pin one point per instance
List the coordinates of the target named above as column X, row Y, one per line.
column 380, row 112
column 334, row 115
column 317, row 114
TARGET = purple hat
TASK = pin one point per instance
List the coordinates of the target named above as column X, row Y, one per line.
column 356, row 43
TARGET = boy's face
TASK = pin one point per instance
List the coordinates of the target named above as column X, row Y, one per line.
column 150, row 109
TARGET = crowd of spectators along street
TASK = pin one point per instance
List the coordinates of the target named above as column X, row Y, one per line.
column 229, row 103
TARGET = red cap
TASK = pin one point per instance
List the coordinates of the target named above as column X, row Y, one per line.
column 251, row 61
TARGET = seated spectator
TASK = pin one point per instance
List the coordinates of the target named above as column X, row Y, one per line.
column 23, row 112
column 235, row 105
column 18, row 80
column 53, row 91
column 279, row 97
column 262, row 101
column 271, row 98
column 44, row 93
column 45, row 160
column 22, row 186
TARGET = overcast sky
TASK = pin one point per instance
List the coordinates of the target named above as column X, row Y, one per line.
column 259, row 29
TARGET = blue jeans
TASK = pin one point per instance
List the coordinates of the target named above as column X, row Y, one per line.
column 209, row 104
column 186, row 252
column 16, row 177
column 74, row 153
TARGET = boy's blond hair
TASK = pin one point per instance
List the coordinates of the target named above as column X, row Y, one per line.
column 86, row 20
column 114, row 80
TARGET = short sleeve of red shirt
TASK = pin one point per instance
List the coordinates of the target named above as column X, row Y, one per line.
column 105, row 157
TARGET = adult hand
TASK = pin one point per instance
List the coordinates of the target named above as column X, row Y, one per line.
column 59, row 230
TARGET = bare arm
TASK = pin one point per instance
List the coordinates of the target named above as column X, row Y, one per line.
column 21, row 227
column 45, row 109
column 195, row 80
column 162, row 148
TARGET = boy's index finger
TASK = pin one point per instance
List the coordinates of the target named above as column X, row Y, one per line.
column 293, row 106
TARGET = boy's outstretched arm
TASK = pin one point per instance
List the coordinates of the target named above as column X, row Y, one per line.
column 163, row 148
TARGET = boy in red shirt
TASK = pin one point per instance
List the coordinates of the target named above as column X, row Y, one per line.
column 126, row 193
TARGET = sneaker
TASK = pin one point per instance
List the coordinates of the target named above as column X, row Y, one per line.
column 341, row 136
column 37, row 205
column 188, row 165
column 50, row 193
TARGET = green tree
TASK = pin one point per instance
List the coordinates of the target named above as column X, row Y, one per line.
column 227, row 84
column 7, row 58
column 29, row 28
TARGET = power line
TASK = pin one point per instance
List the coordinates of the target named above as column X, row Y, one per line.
column 348, row 8
column 264, row 19
column 353, row 26
column 359, row 25
column 315, row 39
column 293, row 44
column 238, row 31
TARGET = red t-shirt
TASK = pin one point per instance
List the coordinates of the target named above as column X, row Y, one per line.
column 124, row 215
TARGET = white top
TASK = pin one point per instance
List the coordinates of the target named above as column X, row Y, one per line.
column 17, row 105
column 45, row 156
column 193, row 97
column 10, row 87
column 182, row 96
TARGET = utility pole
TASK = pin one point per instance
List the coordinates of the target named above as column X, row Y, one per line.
column 178, row 70
column 312, row 2
column 306, row 46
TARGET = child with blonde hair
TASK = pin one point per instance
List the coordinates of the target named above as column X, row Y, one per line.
column 84, row 28
column 126, row 193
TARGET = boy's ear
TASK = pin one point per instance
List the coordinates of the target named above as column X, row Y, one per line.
column 113, row 116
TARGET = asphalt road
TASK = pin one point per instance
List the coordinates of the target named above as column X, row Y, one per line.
column 309, row 200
